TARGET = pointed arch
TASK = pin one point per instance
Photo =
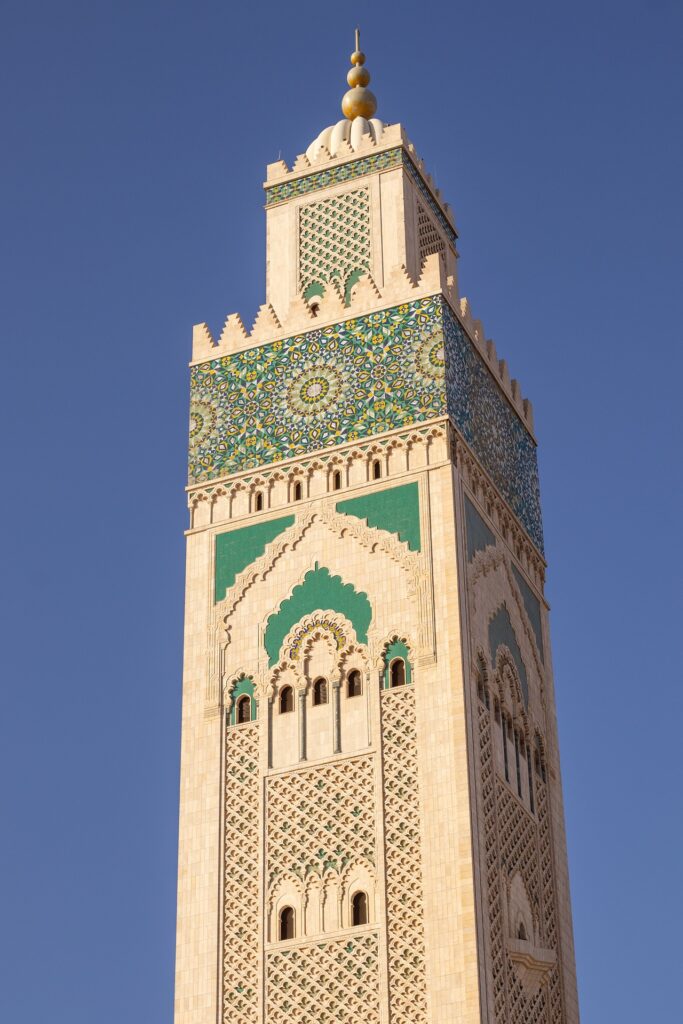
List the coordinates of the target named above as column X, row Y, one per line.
column 319, row 590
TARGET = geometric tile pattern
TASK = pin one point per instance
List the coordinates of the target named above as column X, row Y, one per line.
column 334, row 240
column 333, row 176
column 350, row 380
column 403, row 859
column 325, row 982
column 320, row 819
column 355, row 169
column 240, row 877
column 354, row 379
column 492, row 428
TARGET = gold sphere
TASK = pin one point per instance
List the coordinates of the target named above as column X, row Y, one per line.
column 357, row 57
column 358, row 102
column 358, row 76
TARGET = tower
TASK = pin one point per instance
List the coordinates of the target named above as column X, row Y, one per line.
column 371, row 822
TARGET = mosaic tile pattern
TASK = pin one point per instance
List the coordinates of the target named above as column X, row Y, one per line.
column 355, row 379
column 492, row 428
column 318, row 389
column 356, row 169
column 334, row 242
column 333, row 176
column 429, row 199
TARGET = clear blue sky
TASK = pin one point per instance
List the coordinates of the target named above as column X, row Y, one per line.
column 135, row 138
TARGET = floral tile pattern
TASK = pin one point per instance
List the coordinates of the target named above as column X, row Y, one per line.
column 352, row 380
column 335, row 384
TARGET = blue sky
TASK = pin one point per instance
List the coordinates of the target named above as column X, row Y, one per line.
column 135, row 142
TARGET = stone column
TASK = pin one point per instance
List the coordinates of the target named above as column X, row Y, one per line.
column 269, row 701
column 301, row 702
column 336, row 716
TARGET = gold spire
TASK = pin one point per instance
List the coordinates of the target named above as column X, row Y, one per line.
column 358, row 101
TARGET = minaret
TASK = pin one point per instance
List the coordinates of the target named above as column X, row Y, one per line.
column 371, row 822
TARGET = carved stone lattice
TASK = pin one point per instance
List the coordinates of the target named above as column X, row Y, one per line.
column 334, row 238
column 240, row 877
column 515, row 842
column 320, row 819
column 548, row 883
column 429, row 237
column 325, row 981
column 406, row 947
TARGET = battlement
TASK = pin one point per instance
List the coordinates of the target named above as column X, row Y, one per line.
column 366, row 297
column 283, row 182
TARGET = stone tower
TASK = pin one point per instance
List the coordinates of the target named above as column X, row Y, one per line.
column 371, row 822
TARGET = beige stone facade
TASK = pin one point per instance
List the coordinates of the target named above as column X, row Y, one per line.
column 371, row 823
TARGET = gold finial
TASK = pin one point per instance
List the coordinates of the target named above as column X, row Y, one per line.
column 358, row 101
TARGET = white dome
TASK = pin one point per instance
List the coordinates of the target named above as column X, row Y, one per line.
column 353, row 131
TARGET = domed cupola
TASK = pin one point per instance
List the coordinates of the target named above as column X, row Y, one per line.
column 358, row 105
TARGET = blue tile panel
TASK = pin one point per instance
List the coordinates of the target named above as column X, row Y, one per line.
column 492, row 428
column 353, row 380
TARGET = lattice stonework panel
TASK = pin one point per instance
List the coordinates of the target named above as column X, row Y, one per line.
column 334, row 239
column 429, row 237
column 325, row 982
column 240, row 877
column 321, row 818
column 404, row 894
column 548, row 895
column 515, row 842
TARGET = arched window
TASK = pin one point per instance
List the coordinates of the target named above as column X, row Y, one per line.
column 286, row 929
column 397, row 672
column 244, row 709
column 521, row 932
column 376, row 470
column 319, row 692
column 354, row 685
column 336, row 480
column 286, row 699
column 258, row 502
column 297, row 491
column 359, row 909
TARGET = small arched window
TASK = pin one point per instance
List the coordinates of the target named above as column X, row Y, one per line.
column 286, row 929
column 397, row 672
column 376, row 470
column 521, row 932
column 286, row 699
column 354, row 685
column 244, row 709
column 336, row 480
column 258, row 501
column 359, row 909
column 319, row 692
column 297, row 491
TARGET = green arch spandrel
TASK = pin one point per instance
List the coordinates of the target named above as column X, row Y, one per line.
column 319, row 591
column 396, row 509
